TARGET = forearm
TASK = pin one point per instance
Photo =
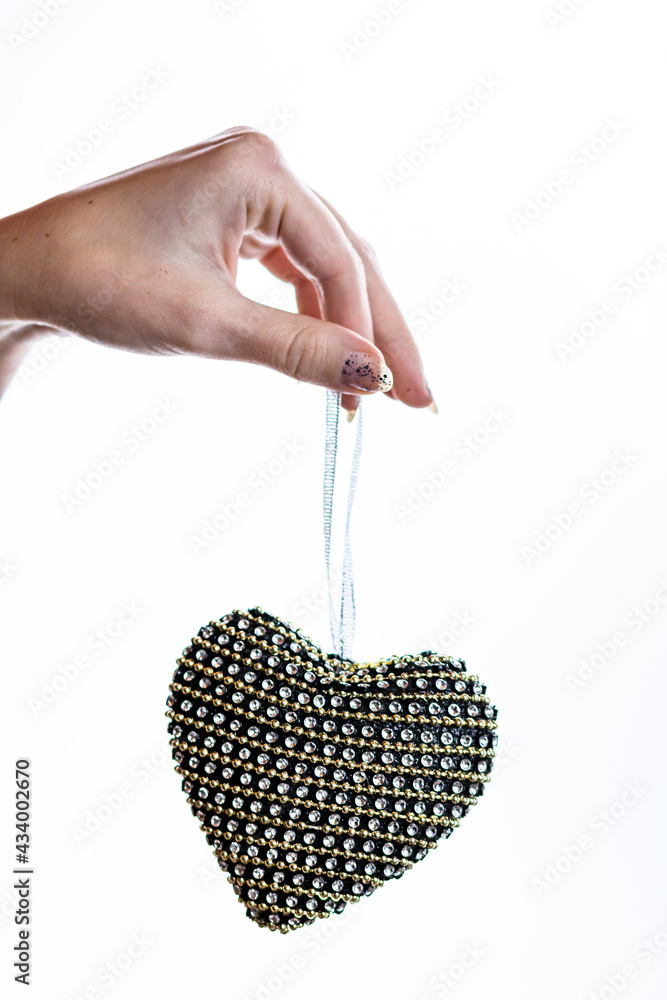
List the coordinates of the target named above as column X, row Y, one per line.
column 20, row 256
column 20, row 317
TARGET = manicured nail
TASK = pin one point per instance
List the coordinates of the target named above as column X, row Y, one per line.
column 366, row 372
column 351, row 414
column 431, row 406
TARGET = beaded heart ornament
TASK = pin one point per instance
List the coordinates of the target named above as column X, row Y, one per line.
column 316, row 779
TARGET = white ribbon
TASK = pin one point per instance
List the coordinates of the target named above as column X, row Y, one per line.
column 342, row 626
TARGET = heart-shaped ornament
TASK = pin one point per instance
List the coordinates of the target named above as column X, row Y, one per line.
column 317, row 779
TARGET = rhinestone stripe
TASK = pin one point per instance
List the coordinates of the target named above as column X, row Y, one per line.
column 414, row 793
column 272, row 796
column 332, row 852
column 398, row 769
column 423, row 748
column 284, row 869
column 357, row 831
column 262, row 883
column 264, row 646
column 435, row 697
column 350, row 855
column 306, row 892
column 336, row 674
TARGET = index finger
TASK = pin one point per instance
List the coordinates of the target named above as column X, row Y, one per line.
column 316, row 243
column 390, row 330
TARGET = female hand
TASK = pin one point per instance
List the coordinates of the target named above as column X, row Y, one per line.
column 146, row 260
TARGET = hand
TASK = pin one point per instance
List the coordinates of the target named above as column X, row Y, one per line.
column 146, row 260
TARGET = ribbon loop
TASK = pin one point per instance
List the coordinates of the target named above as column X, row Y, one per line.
column 342, row 625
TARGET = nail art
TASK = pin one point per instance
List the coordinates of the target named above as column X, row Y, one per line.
column 366, row 372
column 351, row 414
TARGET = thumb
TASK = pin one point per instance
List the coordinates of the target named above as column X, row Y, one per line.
column 305, row 348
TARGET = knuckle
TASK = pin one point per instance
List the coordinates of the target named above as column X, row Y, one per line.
column 357, row 263
column 365, row 249
column 343, row 261
column 259, row 147
column 243, row 156
column 299, row 353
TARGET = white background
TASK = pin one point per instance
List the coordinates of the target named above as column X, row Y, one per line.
column 557, row 878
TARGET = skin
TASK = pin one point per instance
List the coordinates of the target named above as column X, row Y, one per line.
column 146, row 261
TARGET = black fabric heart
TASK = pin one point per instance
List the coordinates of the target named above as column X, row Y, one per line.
column 317, row 779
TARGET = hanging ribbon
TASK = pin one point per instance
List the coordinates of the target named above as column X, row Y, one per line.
column 343, row 624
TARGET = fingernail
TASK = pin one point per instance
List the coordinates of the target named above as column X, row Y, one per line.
column 366, row 372
column 431, row 406
column 351, row 414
